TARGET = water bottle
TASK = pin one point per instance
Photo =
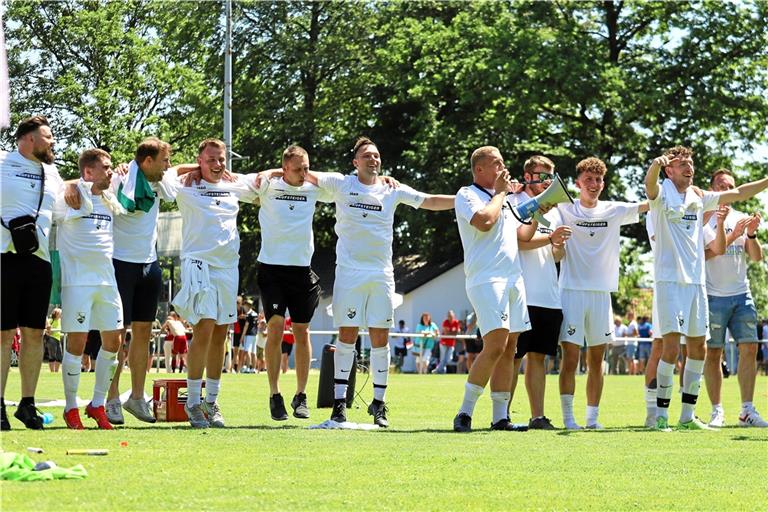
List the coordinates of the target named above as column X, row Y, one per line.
column 47, row 418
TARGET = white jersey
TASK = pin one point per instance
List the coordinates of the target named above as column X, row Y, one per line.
column 85, row 243
column 285, row 218
column 677, row 226
column 489, row 256
column 209, row 219
column 364, row 218
column 727, row 274
column 136, row 232
column 538, row 265
column 20, row 186
column 591, row 261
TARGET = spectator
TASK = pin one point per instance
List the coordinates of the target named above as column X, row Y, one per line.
column 630, row 351
column 473, row 346
column 429, row 330
column 261, row 343
column 618, row 346
column 248, row 345
column 451, row 327
column 53, row 340
column 644, row 330
column 180, row 345
column 400, row 345
column 287, row 345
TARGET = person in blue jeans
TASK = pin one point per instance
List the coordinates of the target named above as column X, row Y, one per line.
column 423, row 354
column 451, row 327
column 731, row 308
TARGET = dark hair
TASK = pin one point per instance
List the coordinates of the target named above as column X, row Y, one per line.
column 89, row 157
column 718, row 173
column 29, row 125
column 150, row 147
column 360, row 142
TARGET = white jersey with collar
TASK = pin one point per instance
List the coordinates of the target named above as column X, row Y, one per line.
column 679, row 254
column 136, row 232
column 489, row 256
column 538, row 265
column 365, row 215
column 591, row 261
column 209, row 219
column 85, row 242
column 21, row 179
column 726, row 275
column 285, row 218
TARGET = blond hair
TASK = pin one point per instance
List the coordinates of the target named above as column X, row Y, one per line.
column 536, row 161
column 481, row 154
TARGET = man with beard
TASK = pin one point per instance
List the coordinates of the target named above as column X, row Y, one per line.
column 26, row 272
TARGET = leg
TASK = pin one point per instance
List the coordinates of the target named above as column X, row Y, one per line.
column 137, row 357
column 713, row 374
column 535, row 383
column 692, row 371
column 5, row 361
column 273, row 352
column 197, row 357
column 568, row 366
column 595, row 356
column 30, row 360
column 114, row 387
column 747, row 370
column 495, row 344
column 303, row 356
column 651, row 386
column 504, row 373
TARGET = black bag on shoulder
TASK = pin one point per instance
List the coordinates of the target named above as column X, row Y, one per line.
column 24, row 228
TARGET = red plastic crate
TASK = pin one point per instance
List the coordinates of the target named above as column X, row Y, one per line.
column 168, row 398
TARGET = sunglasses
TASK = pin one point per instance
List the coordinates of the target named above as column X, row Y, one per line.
column 541, row 177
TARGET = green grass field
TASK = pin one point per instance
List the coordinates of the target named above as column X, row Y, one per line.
column 417, row 464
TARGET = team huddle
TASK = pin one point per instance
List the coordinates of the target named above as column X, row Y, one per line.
column 111, row 279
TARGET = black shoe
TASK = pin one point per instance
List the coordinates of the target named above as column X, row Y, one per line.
column 277, row 408
column 299, row 406
column 4, row 423
column 462, row 422
column 27, row 414
column 505, row 424
column 339, row 414
column 541, row 423
column 378, row 410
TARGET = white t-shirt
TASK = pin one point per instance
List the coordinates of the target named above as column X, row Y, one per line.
column 591, row 261
column 490, row 256
column 285, row 218
column 20, row 194
column 619, row 331
column 85, row 244
column 631, row 332
column 136, row 232
column 209, row 219
column 679, row 256
column 538, row 265
column 727, row 274
column 364, row 218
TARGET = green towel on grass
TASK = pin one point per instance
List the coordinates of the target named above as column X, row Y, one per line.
column 21, row 468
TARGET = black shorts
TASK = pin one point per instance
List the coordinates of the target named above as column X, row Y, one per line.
column 139, row 285
column 53, row 347
column 286, row 348
column 236, row 340
column 26, row 290
column 474, row 346
column 400, row 351
column 545, row 329
column 293, row 288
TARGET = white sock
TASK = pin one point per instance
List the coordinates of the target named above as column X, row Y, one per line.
column 380, row 359
column 343, row 358
column 566, row 404
column 70, row 372
column 500, row 401
column 665, row 377
column 747, row 407
column 650, row 402
column 106, row 363
column 592, row 413
column 691, row 384
column 719, row 407
column 471, row 393
column 194, row 390
column 212, row 389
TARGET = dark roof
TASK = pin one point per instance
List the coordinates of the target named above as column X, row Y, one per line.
column 410, row 271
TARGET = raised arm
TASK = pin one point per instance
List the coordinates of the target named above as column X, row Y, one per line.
column 753, row 247
column 743, row 192
column 717, row 246
column 652, row 176
column 438, row 202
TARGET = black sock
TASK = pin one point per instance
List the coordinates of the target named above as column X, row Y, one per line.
column 27, row 400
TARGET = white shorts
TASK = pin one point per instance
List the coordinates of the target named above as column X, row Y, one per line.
column 84, row 308
column 249, row 344
column 217, row 299
column 655, row 313
column 683, row 309
column 500, row 305
column 362, row 298
column 587, row 317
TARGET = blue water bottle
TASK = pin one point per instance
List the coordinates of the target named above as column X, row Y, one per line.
column 47, row 418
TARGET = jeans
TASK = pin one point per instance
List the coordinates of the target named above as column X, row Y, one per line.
column 446, row 356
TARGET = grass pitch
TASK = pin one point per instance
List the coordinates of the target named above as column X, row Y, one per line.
column 417, row 464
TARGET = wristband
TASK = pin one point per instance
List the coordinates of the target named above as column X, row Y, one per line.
column 751, row 237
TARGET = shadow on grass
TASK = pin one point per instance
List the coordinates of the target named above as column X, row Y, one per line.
column 748, row 438
column 611, row 430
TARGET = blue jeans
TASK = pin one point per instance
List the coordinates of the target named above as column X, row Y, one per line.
column 446, row 356
column 737, row 314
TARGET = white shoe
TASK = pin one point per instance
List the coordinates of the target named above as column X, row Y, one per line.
column 115, row 412
column 650, row 421
column 573, row 426
column 215, row 419
column 196, row 416
column 752, row 419
column 594, row 426
column 718, row 419
column 140, row 409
